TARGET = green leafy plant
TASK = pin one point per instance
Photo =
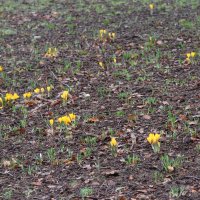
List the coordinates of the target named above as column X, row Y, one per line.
column 85, row 192
column 132, row 159
column 90, row 141
column 176, row 191
column 7, row 194
column 171, row 119
column 169, row 164
column 157, row 176
column 51, row 154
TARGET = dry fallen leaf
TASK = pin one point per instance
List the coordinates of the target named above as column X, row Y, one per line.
column 122, row 198
column 132, row 117
column 6, row 163
column 147, row 117
column 38, row 182
column 133, row 139
column 93, row 120
column 111, row 173
column 182, row 117
column 159, row 42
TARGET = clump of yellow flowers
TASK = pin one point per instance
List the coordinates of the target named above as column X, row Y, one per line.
column 42, row 90
column 51, row 52
column 27, row 95
column 190, row 56
column 104, row 35
column 153, row 139
column 10, row 97
column 67, row 119
column 113, row 145
column 112, row 36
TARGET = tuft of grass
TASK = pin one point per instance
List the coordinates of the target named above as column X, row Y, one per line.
column 85, row 192
column 176, row 191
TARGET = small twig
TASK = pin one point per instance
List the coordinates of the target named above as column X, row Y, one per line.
column 59, row 80
column 194, row 177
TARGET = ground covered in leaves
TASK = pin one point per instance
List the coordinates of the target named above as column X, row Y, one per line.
column 129, row 71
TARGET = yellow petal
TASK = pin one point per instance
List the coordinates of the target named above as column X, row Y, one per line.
column 72, row 116
column 51, row 122
column 157, row 137
column 188, row 55
column 193, row 54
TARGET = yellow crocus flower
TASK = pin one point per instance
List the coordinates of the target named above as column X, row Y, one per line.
column 151, row 6
column 64, row 95
column 42, row 90
column 153, row 138
column 1, row 101
column 8, row 96
column 193, row 54
column 51, row 122
column 113, row 142
column 188, row 55
column 72, row 116
column 37, row 90
column 1, row 68
column 60, row 120
column 66, row 120
column 15, row 96
column 49, row 88
column 101, row 64
column 113, row 35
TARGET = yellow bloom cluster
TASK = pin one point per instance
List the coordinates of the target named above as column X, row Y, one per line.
column 190, row 55
column 39, row 90
column 67, row 119
column 10, row 96
column 42, row 90
column 104, row 34
column 112, row 35
column 51, row 52
column 27, row 95
column 153, row 138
